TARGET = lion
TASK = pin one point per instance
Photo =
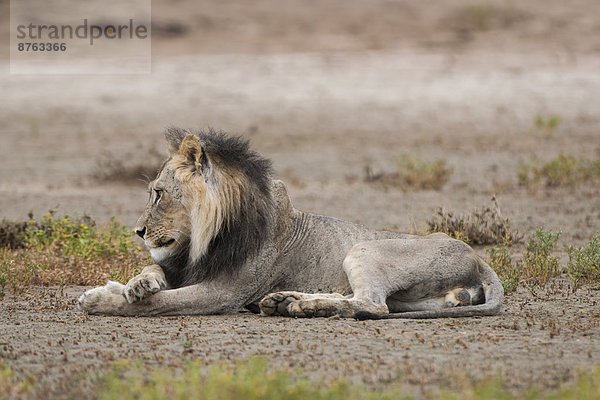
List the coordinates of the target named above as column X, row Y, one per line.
column 224, row 236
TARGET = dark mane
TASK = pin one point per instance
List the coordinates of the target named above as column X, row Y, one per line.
column 246, row 228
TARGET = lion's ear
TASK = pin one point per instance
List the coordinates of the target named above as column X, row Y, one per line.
column 194, row 153
column 174, row 137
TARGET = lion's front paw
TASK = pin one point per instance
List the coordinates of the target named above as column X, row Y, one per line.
column 107, row 299
column 142, row 286
column 277, row 303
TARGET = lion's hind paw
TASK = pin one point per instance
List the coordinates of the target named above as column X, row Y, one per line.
column 277, row 303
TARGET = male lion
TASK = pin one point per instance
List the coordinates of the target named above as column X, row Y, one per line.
column 224, row 236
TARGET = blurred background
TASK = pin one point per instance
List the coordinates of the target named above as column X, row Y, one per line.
column 374, row 111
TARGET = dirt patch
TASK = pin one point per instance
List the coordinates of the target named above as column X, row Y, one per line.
column 540, row 340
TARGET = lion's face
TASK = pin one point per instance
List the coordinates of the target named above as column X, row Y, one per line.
column 165, row 223
column 185, row 210
column 209, row 207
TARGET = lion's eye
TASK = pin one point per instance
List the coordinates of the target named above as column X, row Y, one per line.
column 157, row 194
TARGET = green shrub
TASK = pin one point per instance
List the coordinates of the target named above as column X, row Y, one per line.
column 500, row 260
column 413, row 173
column 564, row 170
column 548, row 124
column 584, row 262
column 539, row 265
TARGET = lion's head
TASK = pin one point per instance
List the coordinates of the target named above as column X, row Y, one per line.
column 209, row 208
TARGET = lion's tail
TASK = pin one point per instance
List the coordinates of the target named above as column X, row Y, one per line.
column 494, row 295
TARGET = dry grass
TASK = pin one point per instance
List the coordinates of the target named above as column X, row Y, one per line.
column 481, row 226
column 67, row 251
column 564, row 170
column 412, row 173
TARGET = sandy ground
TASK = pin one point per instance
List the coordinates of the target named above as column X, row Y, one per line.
column 326, row 89
column 543, row 341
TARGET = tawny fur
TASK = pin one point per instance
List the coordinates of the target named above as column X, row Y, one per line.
column 224, row 235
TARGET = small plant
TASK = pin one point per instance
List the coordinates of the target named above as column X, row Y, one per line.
column 501, row 262
column 423, row 174
column 564, row 170
column 7, row 271
column 414, row 173
column 584, row 262
column 548, row 124
column 539, row 265
column 537, row 268
column 3, row 281
column 61, row 286
column 481, row 226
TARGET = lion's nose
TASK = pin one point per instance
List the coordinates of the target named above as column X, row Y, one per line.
column 141, row 232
